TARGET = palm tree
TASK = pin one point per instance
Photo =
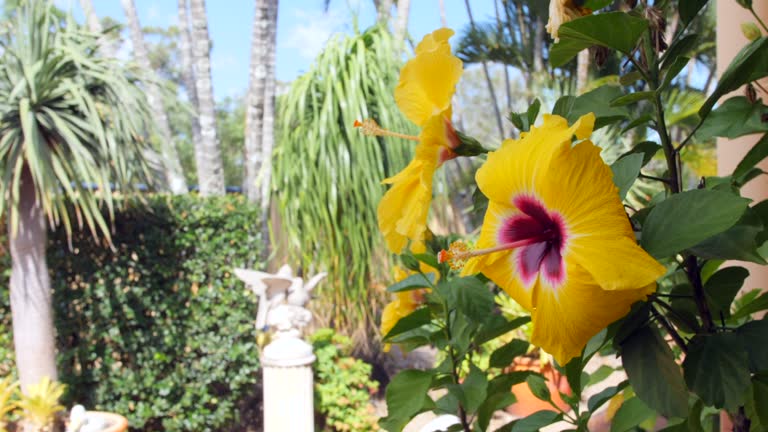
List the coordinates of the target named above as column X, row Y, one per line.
column 260, row 109
column 187, row 68
column 210, row 170
column 70, row 135
column 174, row 177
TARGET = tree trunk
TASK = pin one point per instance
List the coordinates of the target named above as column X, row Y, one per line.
column 538, row 45
column 443, row 15
column 383, row 10
column 106, row 46
column 582, row 71
column 210, row 170
column 268, row 136
column 403, row 8
column 173, row 173
column 488, row 81
column 188, row 70
column 31, row 296
column 500, row 30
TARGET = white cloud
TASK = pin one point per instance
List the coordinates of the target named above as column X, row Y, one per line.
column 309, row 36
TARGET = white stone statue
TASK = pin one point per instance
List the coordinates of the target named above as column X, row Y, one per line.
column 282, row 298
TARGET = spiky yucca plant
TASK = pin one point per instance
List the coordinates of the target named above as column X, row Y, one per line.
column 8, row 389
column 71, row 125
column 41, row 403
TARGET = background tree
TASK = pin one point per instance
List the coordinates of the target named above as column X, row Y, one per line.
column 188, row 73
column 176, row 182
column 210, row 171
column 71, row 125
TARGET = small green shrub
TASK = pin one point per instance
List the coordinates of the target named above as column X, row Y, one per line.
column 158, row 329
column 343, row 386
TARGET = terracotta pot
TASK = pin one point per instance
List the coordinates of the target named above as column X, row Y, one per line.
column 527, row 403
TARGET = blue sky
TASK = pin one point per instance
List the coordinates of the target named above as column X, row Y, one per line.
column 303, row 29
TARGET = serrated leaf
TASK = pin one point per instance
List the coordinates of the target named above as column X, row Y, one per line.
column 653, row 373
column 625, row 172
column 473, row 297
column 705, row 212
column 615, row 30
column 716, row 368
column 755, row 337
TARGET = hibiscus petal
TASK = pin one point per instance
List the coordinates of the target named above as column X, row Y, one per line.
column 403, row 210
column 616, row 263
column 566, row 317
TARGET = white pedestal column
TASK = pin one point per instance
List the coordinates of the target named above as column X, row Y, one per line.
column 288, row 385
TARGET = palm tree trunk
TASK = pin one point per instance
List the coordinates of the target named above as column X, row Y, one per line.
column 500, row 30
column 254, row 111
column 187, row 69
column 443, row 15
column 488, row 81
column 106, row 46
column 210, row 170
column 30, row 288
column 582, row 71
column 383, row 10
column 538, row 45
column 268, row 138
column 403, row 8
column 173, row 173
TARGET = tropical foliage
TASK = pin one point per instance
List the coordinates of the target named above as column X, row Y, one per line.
column 329, row 176
column 644, row 281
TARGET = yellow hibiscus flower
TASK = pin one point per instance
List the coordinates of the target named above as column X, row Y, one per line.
column 423, row 94
column 562, row 11
column 556, row 238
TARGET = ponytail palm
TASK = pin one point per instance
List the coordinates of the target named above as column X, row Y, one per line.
column 71, row 126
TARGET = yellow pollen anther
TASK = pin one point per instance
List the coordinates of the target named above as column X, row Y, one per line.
column 456, row 255
column 371, row 128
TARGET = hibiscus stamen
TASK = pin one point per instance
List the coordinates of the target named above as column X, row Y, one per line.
column 371, row 128
column 458, row 252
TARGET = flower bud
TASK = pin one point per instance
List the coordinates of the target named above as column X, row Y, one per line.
column 750, row 93
column 751, row 31
column 746, row 4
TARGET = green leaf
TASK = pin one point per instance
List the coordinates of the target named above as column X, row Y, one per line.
column 640, row 121
column 760, row 397
column 737, row 242
column 689, row 8
column 415, row 319
column 573, row 370
column 533, row 112
column 414, row 281
column 625, row 172
column 632, row 98
column 672, row 72
column 538, row 386
column 680, row 48
column 474, row 299
column 428, row 259
column 735, row 117
column 596, row 101
column 405, row 398
column 686, row 219
column 722, row 287
column 532, row 423
column 504, row 382
column 653, row 373
column 615, row 30
column 474, row 387
column 494, row 403
column 497, row 325
column 756, row 305
column 755, row 337
column 754, row 156
column 751, row 63
column 597, row 400
column 647, row 148
column 504, row 355
column 631, row 413
column 716, row 368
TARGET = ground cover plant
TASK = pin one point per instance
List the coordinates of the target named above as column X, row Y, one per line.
column 645, row 282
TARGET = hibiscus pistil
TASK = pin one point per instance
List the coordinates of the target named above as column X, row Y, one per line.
column 369, row 127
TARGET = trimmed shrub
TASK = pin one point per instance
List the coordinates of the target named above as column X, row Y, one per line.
column 158, row 329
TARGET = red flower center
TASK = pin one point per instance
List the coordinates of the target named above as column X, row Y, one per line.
column 545, row 233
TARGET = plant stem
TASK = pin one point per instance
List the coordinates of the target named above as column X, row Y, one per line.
column 688, row 138
column 752, row 10
column 671, row 330
column 648, row 177
column 666, row 144
column 692, row 269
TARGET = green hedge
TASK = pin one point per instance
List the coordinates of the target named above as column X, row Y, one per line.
column 159, row 329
